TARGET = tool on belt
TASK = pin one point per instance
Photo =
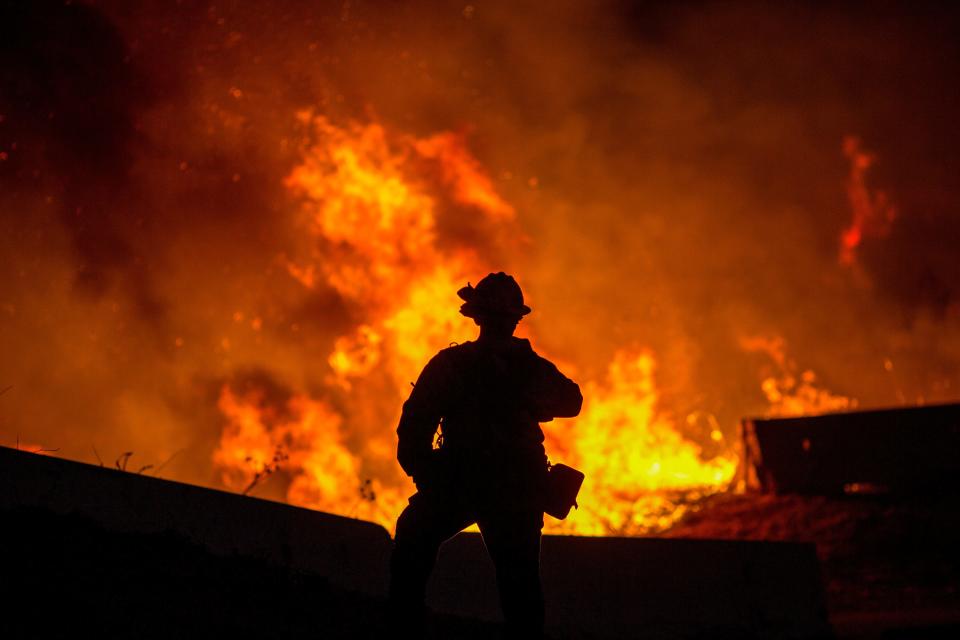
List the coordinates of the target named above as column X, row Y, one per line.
column 563, row 485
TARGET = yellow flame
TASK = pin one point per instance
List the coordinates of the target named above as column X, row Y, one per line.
column 632, row 455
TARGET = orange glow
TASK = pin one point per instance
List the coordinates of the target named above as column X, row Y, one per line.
column 32, row 447
column 471, row 186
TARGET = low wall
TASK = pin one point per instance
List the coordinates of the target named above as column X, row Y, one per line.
column 907, row 450
column 350, row 553
column 650, row 588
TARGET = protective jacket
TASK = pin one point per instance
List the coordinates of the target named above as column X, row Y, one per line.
column 488, row 399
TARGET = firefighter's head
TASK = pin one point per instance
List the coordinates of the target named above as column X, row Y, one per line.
column 496, row 303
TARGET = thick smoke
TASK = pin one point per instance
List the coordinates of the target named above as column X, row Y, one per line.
column 677, row 169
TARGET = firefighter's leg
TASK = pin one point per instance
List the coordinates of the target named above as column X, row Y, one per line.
column 421, row 529
column 513, row 541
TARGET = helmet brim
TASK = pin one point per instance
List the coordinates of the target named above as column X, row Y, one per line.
column 477, row 310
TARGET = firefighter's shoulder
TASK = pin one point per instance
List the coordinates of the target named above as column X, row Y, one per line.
column 453, row 355
column 523, row 347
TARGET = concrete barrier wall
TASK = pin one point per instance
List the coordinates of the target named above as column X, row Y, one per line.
column 650, row 588
column 350, row 553
column 903, row 450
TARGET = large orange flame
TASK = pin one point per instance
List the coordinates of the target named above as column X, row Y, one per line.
column 372, row 217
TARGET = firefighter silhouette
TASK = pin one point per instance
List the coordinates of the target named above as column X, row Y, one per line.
column 488, row 397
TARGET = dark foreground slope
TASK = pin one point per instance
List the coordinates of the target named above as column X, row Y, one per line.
column 108, row 552
column 65, row 576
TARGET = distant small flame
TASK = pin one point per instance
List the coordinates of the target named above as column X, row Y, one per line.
column 873, row 213
column 789, row 391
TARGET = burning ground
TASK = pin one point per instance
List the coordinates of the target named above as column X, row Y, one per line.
column 232, row 234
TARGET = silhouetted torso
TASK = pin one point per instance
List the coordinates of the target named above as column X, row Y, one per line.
column 487, row 398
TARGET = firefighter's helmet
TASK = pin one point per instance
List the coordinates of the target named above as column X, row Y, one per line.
column 497, row 294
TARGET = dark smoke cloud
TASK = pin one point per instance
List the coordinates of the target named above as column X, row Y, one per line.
column 69, row 102
column 677, row 167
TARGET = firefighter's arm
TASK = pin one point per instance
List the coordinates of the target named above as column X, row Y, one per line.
column 421, row 416
column 554, row 395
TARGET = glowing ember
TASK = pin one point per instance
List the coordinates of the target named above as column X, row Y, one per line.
column 32, row 447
